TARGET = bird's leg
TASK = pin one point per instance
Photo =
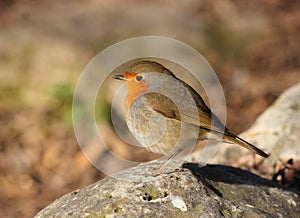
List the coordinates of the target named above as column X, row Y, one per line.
column 166, row 163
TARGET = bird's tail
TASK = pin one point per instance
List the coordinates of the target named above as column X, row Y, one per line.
column 231, row 138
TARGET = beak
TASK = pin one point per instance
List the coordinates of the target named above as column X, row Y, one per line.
column 119, row 77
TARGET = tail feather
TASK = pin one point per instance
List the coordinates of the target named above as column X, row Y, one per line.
column 229, row 137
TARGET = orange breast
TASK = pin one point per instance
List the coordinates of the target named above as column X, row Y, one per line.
column 135, row 89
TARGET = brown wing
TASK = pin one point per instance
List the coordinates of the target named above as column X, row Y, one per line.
column 168, row 108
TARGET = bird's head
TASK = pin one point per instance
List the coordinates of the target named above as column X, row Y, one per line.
column 141, row 77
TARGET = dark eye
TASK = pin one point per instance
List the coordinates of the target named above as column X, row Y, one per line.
column 138, row 78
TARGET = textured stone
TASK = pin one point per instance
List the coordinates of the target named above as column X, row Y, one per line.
column 276, row 131
column 210, row 191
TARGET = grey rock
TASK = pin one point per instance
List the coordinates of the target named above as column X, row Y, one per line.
column 209, row 191
column 276, row 131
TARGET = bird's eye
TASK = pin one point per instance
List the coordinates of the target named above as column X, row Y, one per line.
column 139, row 78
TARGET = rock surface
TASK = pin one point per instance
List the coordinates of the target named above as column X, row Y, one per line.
column 276, row 131
column 209, row 191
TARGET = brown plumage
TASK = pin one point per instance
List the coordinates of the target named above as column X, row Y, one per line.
column 145, row 82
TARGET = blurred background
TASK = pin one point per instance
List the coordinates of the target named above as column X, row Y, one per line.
column 253, row 47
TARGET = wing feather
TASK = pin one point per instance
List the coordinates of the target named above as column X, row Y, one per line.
column 168, row 108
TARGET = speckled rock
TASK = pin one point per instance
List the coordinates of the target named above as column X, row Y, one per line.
column 210, row 191
column 276, row 131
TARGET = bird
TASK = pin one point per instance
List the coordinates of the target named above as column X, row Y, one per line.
column 165, row 114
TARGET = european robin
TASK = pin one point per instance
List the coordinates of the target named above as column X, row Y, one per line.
column 165, row 114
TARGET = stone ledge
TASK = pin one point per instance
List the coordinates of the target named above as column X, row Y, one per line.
column 209, row 191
